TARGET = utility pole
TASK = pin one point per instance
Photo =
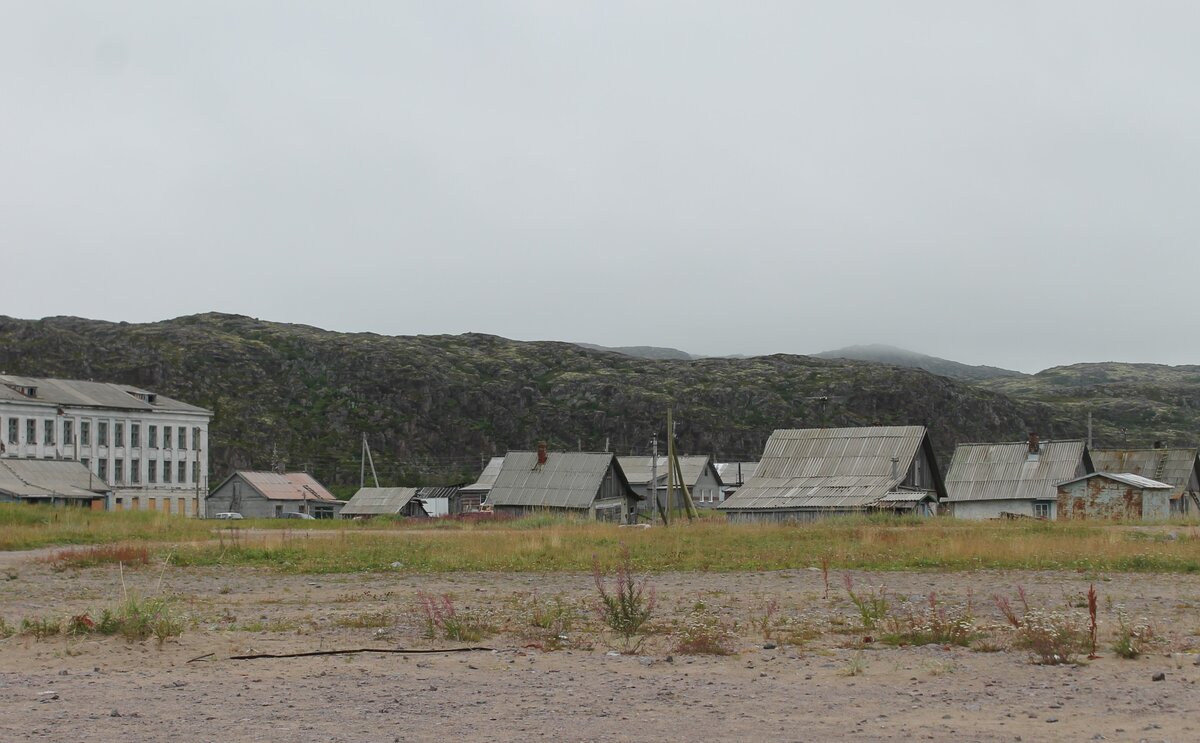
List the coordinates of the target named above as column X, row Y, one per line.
column 675, row 473
column 362, row 466
column 654, row 473
column 1089, row 429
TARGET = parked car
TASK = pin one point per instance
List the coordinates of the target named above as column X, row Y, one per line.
column 228, row 515
column 305, row 516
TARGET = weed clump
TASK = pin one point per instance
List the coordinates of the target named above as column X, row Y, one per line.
column 1132, row 637
column 1051, row 637
column 627, row 605
column 934, row 624
column 443, row 620
column 872, row 607
column 705, row 634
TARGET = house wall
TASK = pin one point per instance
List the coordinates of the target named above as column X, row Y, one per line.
column 786, row 516
column 920, row 472
column 1100, row 498
column 89, row 436
column 992, row 509
column 707, row 492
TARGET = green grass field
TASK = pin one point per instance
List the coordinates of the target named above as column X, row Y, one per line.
column 544, row 543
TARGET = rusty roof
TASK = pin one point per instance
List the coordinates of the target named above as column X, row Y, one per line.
column 830, row 468
column 285, row 486
column 1176, row 467
column 981, row 472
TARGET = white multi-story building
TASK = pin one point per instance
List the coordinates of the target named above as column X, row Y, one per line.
column 150, row 449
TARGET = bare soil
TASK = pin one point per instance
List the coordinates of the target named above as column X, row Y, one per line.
column 833, row 681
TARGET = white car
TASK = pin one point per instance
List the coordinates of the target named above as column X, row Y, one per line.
column 228, row 515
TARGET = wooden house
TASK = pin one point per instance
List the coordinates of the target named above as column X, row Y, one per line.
column 807, row 474
column 586, row 484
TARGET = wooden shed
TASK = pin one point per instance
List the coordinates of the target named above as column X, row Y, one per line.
column 370, row 502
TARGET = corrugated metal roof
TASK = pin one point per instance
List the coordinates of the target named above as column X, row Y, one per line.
column 42, row 478
column 729, row 471
column 288, row 486
column 438, row 491
column 1172, row 466
column 638, row 469
column 906, row 496
column 980, row 472
column 378, row 501
column 73, row 392
column 566, row 480
column 1136, row 481
column 488, row 477
column 828, row 468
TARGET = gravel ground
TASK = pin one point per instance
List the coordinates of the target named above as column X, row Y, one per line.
column 836, row 685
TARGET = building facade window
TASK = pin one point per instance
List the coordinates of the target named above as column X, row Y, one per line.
column 102, row 469
column 196, row 472
column 30, row 431
column 119, row 434
column 196, row 438
column 152, row 436
column 85, row 433
column 182, row 438
column 152, row 472
column 166, row 472
column 135, row 435
column 135, row 471
column 68, row 433
column 181, row 468
column 119, row 471
column 1041, row 510
column 102, row 433
column 48, row 432
column 14, row 428
column 87, row 463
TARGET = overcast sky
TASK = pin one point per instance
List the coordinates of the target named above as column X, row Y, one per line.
column 1010, row 183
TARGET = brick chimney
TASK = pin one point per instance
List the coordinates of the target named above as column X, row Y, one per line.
column 541, row 453
column 1035, row 446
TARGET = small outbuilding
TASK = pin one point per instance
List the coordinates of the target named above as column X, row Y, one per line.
column 734, row 475
column 1177, row 467
column 51, row 482
column 988, row 481
column 264, row 495
column 648, row 476
column 370, row 502
column 587, row 484
column 1112, row 496
column 470, row 497
column 808, row 474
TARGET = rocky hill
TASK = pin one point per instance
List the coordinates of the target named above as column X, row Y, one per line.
column 1134, row 404
column 434, row 407
column 643, row 352
column 901, row 357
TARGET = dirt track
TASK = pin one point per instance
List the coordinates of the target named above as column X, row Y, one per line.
column 106, row 689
